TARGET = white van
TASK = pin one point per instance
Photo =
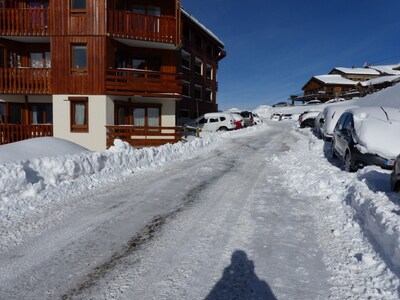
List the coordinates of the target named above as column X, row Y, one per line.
column 216, row 121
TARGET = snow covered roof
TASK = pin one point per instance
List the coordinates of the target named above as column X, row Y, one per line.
column 358, row 71
column 380, row 80
column 208, row 31
column 334, row 79
column 387, row 69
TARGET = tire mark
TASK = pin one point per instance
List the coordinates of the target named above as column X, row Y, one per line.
column 146, row 235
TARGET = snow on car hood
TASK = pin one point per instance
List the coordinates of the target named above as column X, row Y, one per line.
column 376, row 134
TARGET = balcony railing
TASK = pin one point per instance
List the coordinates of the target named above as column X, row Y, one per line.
column 25, row 81
column 22, row 22
column 130, row 25
column 143, row 83
column 144, row 136
column 10, row 133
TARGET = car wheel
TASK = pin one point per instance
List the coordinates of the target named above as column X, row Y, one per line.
column 397, row 187
column 223, row 129
column 348, row 163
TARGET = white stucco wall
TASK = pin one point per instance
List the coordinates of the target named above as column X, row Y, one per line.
column 101, row 112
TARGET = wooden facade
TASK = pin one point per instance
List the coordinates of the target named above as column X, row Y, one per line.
column 203, row 51
column 130, row 49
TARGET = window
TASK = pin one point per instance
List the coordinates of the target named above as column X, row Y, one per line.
column 79, row 114
column 209, row 50
column 208, row 95
column 198, row 92
column 78, row 6
column 2, row 58
column 79, row 59
column 186, row 88
column 186, row 32
column 2, row 113
column 41, row 113
column 36, row 60
column 153, row 116
column 198, row 66
column 199, row 41
column 141, row 115
column 186, row 57
column 15, row 113
column 209, row 72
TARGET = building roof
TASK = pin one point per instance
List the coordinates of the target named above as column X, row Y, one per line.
column 335, row 79
column 197, row 22
column 380, row 80
column 387, row 69
column 357, row 71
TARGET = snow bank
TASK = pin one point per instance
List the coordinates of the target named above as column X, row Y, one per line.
column 359, row 211
column 32, row 186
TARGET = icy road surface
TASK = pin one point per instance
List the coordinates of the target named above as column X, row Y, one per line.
column 219, row 226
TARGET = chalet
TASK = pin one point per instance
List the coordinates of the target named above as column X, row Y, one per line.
column 348, row 83
column 325, row 87
column 90, row 71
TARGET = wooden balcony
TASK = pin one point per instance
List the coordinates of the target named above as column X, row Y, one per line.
column 128, row 25
column 144, row 136
column 10, row 133
column 132, row 82
column 25, row 81
column 24, row 22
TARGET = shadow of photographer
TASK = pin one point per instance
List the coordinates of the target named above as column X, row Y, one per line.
column 239, row 281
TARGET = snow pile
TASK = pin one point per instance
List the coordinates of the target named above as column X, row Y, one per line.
column 33, row 186
column 360, row 212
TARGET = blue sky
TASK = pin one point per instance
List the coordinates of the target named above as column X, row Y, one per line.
column 275, row 46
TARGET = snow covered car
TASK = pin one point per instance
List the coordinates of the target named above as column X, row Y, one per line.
column 216, row 122
column 256, row 119
column 330, row 117
column 395, row 176
column 318, row 123
column 307, row 118
column 276, row 117
column 248, row 118
column 286, row 117
column 367, row 136
column 238, row 120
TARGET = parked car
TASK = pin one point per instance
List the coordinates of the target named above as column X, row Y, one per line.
column 239, row 122
column 247, row 118
column 214, row 122
column 257, row 120
column 395, row 175
column 311, row 102
column 318, row 124
column 331, row 115
column 307, row 118
column 286, row 117
column 281, row 104
column 367, row 136
column 276, row 117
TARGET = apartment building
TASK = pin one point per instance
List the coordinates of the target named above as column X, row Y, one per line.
column 91, row 71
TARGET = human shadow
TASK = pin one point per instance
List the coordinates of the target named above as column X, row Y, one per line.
column 239, row 281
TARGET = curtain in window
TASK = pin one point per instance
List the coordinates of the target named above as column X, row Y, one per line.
column 154, row 116
column 35, row 115
column 80, row 114
column 139, row 117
